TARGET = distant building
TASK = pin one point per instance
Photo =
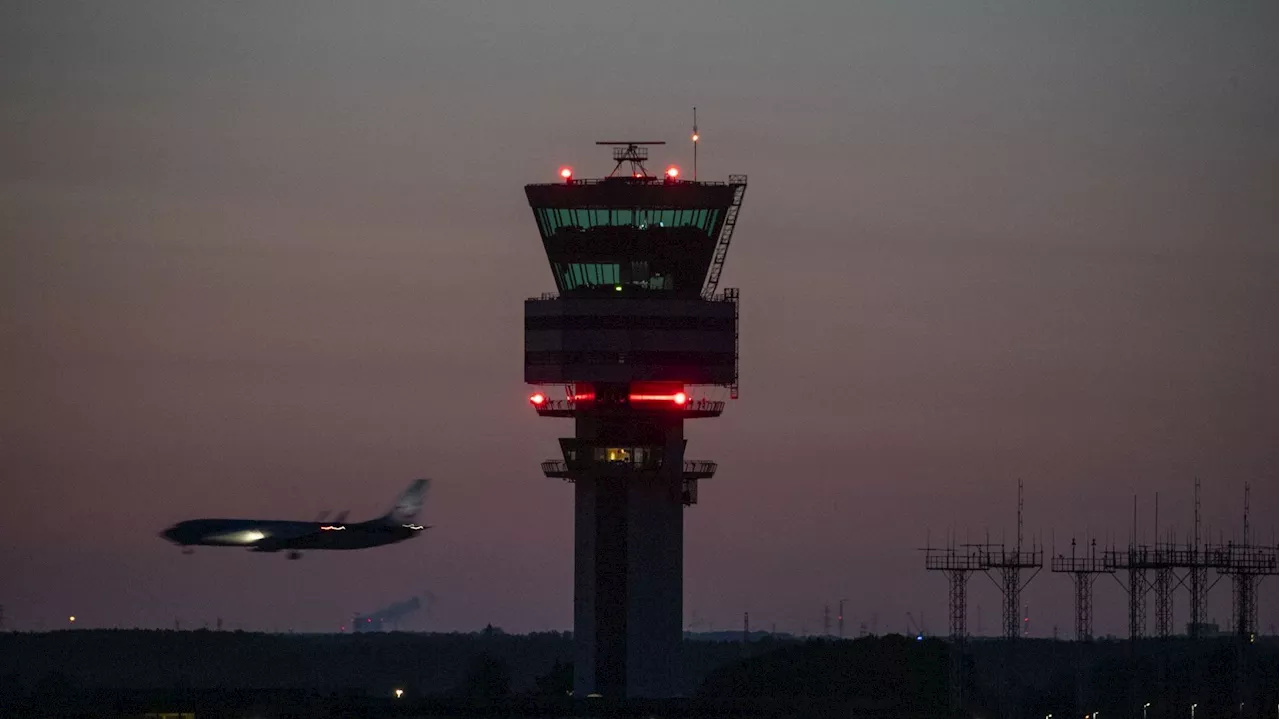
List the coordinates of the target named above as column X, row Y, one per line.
column 1205, row 629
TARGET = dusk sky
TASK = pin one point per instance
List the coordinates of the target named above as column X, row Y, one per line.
column 268, row 259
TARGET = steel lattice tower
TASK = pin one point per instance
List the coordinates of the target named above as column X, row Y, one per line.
column 1162, row 586
column 1084, row 572
column 1247, row 564
column 1136, row 560
column 957, row 567
column 634, row 335
column 1137, row 601
column 1197, row 575
column 1009, row 564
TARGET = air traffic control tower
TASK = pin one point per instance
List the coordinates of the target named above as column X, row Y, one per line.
column 629, row 347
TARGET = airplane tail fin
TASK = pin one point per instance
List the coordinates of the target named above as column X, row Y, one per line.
column 409, row 503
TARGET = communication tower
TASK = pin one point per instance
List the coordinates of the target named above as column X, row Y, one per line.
column 1247, row 564
column 629, row 347
column 1009, row 563
column 957, row 565
column 1084, row 570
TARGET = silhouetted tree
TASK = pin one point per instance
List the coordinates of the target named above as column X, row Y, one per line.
column 487, row 677
column 11, row 685
column 556, row 682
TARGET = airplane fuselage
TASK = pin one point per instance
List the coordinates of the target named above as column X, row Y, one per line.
column 270, row 535
column 275, row 535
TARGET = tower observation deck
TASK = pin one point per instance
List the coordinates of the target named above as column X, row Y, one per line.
column 627, row 347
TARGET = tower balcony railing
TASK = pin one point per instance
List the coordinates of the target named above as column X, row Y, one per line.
column 1137, row 557
column 1000, row 557
column 729, row 295
column 556, row 469
column 1241, row 559
column 699, row 468
column 1094, row 564
column 646, row 180
column 694, row 469
column 938, row 559
column 690, row 410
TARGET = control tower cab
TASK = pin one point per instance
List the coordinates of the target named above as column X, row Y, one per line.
column 629, row 346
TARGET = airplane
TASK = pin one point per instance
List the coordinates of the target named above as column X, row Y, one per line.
column 266, row 535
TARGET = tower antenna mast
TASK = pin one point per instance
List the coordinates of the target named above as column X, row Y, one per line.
column 635, row 152
column 695, row 143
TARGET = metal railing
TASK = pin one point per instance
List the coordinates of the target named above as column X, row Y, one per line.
column 705, row 405
column 730, row 294
column 696, row 406
column 557, row 405
column 647, row 180
column 699, row 467
column 938, row 559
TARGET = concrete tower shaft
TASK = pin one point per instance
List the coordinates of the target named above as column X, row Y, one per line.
column 629, row 549
column 631, row 338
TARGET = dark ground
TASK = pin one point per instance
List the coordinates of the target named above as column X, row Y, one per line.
column 236, row 674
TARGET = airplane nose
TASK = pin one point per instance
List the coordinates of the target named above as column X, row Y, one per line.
column 170, row 533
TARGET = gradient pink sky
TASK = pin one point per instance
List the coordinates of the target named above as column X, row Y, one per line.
column 267, row 259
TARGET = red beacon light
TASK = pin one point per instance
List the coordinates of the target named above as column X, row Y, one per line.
column 673, row 172
column 538, row 399
column 680, row 398
column 566, row 173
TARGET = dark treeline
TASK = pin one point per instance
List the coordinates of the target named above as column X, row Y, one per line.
column 1115, row 678
column 1033, row 678
column 366, row 663
column 890, row 676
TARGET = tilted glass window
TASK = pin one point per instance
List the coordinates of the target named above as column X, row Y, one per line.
column 552, row 220
column 587, row 274
column 577, row 275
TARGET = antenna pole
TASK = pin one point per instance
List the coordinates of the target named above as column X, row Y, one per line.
column 1246, row 514
column 1156, row 526
column 695, row 143
column 1019, row 516
column 1196, row 538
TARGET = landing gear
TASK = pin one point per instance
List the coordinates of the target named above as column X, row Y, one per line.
column 295, row 555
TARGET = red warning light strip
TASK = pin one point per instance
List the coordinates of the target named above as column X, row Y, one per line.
column 678, row 398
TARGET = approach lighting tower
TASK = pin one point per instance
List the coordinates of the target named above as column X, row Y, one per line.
column 1010, row 564
column 1084, row 570
column 629, row 347
column 957, row 564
